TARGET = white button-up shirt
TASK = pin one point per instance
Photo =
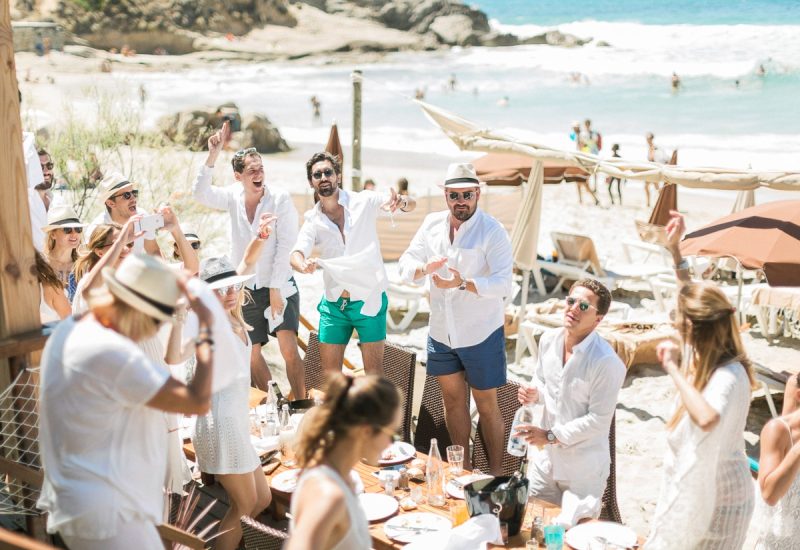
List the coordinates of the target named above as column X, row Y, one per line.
column 361, row 211
column 273, row 269
column 579, row 398
column 480, row 251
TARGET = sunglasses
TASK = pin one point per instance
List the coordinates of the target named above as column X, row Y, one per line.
column 195, row 245
column 244, row 152
column 222, row 291
column 319, row 173
column 454, row 196
column 126, row 195
column 69, row 230
column 394, row 436
column 582, row 305
column 47, row 166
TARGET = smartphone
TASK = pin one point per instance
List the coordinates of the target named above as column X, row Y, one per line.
column 149, row 224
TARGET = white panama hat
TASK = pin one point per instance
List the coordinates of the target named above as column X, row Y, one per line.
column 60, row 216
column 219, row 272
column 461, row 176
column 111, row 185
column 145, row 283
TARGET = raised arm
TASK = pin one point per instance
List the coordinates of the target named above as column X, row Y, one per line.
column 299, row 258
column 202, row 190
column 675, row 230
column 700, row 411
column 125, row 237
column 191, row 262
column 256, row 245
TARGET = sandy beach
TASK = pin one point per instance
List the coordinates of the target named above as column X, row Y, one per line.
column 648, row 394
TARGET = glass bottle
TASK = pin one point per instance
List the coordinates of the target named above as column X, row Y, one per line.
column 434, row 476
column 286, row 436
column 527, row 414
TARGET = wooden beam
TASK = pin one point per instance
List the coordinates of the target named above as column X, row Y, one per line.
column 10, row 540
column 19, row 287
column 170, row 533
column 24, row 343
column 22, row 473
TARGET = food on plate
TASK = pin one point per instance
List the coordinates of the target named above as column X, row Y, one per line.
column 408, row 504
column 418, row 463
column 416, row 473
column 389, row 454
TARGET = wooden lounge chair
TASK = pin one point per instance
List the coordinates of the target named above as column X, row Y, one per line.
column 507, row 399
column 258, row 536
column 430, row 421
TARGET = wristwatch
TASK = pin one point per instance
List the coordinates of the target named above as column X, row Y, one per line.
column 551, row 437
column 463, row 284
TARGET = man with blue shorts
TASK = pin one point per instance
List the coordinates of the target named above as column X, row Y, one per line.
column 467, row 255
column 342, row 226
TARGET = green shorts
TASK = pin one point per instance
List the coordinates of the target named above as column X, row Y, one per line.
column 338, row 319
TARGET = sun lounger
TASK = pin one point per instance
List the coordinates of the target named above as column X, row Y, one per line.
column 407, row 298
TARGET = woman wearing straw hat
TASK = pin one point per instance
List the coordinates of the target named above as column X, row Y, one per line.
column 63, row 236
column 221, row 438
column 102, row 434
column 707, row 496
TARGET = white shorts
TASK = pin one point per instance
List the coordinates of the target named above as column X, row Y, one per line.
column 132, row 535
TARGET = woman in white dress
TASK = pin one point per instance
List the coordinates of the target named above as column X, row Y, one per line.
column 706, row 498
column 358, row 420
column 102, row 435
column 779, row 475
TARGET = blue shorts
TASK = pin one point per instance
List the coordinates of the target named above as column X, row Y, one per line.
column 484, row 364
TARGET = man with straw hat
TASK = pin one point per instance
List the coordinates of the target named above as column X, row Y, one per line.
column 342, row 225
column 467, row 255
column 119, row 197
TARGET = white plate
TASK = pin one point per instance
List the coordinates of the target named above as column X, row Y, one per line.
column 401, row 452
column 579, row 536
column 406, row 527
column 377, row 506
column 458, row 492
column 286, row 482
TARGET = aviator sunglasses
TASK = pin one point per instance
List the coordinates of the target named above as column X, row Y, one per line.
column 69, row 230
column 222, row 291
column 582, row 305
column 319, row 173
column 454, row 196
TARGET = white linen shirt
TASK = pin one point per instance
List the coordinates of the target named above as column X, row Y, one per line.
column 579, row 398
column 480, row 251
column 361, row 211
column 272, row 269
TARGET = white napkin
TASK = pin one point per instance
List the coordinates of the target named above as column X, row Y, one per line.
column 275, row 322
column 474, row 534
column 574, row 508
column 264, row 445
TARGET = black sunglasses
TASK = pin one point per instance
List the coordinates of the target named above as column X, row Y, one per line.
column 48, row 165
column 196, row 245
column 126, row 195
column 454, row 196
column 582, row 305
column 68, row 230
column 319, row 173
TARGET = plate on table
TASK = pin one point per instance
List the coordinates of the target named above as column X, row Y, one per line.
column 397, row 453
column 455, row 487
column 377, row 506
column 406, row 527
column 286, row 482
column 581, row 535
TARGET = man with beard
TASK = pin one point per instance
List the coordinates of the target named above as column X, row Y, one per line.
column 467, row 255
column 119, row 196
column 273, row 290
column 342, row 226
column 45, row 187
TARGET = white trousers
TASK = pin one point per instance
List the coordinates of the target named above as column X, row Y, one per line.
column 132, row 535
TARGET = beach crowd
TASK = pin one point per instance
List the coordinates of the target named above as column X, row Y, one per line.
column 145, row 335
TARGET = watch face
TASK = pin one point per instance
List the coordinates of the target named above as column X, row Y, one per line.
column 551, row 436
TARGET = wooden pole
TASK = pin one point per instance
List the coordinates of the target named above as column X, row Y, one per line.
column 357, row 78
column 19, row 287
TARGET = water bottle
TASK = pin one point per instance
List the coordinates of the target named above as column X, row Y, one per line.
column 286, row 438
column 527, row 414
column 280, row 400
column 434, row 476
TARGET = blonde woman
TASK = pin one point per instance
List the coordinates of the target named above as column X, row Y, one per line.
column 108, row 245
column 53, row 304
column 102, row 434
column 706, row 498
column 359, row 419
column 63, row 237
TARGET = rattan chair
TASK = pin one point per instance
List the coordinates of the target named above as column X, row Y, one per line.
column 609, row 510
column 257, row 536
column 312, row 364
column 399, row 366
column 508, row 402
column 430, row 422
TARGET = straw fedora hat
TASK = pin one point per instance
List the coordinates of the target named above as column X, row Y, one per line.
column 112, row 184
column 60, row 216
column 219, row 272
column 145, row 283
column 461, row 176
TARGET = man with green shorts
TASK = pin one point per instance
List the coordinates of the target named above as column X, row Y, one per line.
column 342, row 227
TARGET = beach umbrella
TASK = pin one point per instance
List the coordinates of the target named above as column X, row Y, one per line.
column 511, row 169
column 744, row 199
column 667, row 200
column 334, row 145
column 765, row 237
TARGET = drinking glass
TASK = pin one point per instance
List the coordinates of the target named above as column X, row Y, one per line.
column 286, row 441
column 458, row 512
column 554, row 537
column 455, row 458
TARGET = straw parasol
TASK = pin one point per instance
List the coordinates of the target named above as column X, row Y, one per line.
column 512, row 169
column 765, row 237
column 667, row 200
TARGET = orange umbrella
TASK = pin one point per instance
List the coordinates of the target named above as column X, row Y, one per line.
column 511, row 169
column 667, row 200
column 765, row 237
column 334, row 146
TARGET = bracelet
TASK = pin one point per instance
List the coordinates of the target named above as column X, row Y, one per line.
column 682, row 265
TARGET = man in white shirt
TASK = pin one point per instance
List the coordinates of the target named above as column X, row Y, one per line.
column 119, row 196
column 342, row 226
column 577, row 379
column 467, row 254
column 273, row 289
column 36, row 201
